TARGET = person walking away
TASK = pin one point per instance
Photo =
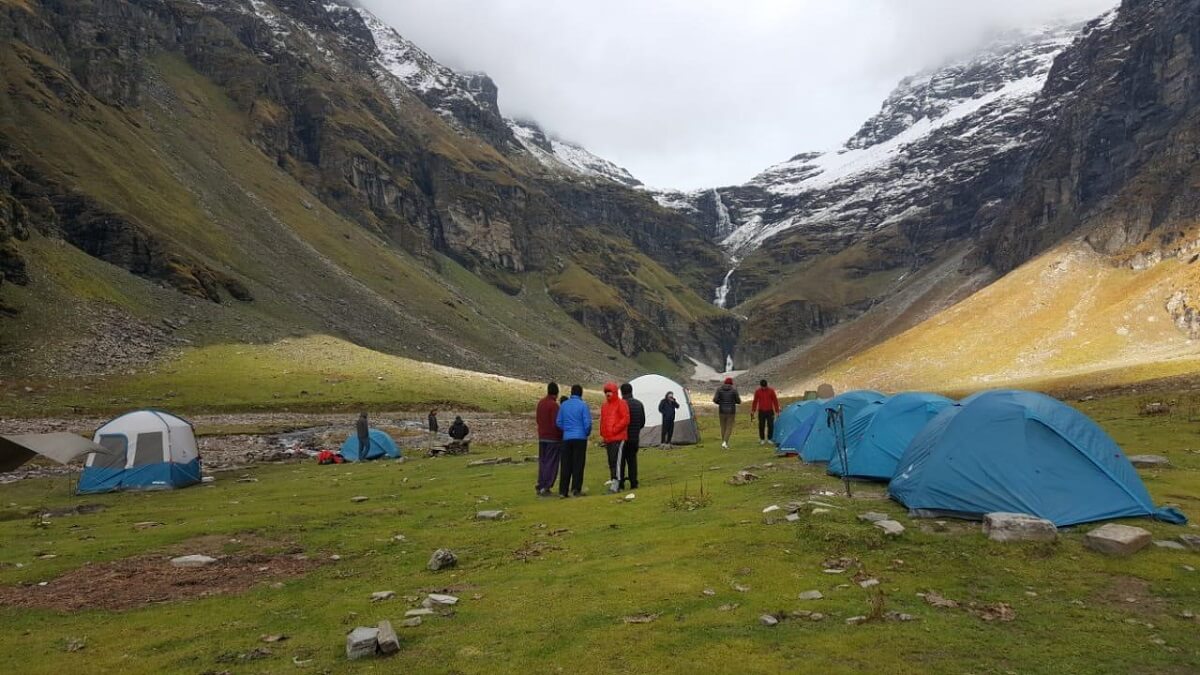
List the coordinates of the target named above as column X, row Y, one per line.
column 433, row 427
column 614, row 429
column 766, row 405
column 549, row 440
column 637, row 422
column 459, row 429
column 575, row 422
column 667, row 408
column 727, row 401
column 363, row 428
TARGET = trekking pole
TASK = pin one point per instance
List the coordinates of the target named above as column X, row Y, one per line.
column 843, row 452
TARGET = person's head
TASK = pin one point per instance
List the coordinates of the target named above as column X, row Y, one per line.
column 433, row 413
column 762, row 383
column 563, row 399
column 362, row 415
column 670, row 395
column 577, row 390
column 552, row 389
column 458, row 419
column 626, row 390
column 610, row 390
column 729, row 381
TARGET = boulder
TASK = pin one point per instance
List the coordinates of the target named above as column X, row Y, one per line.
column 1149, row 461
column 362, row 642
column 872, row 517
column 1118, row 540
column 388, row 642
column 1018, row 527
column 441, row 559
column 489, row 515
column 890, row 527
column 193, row 561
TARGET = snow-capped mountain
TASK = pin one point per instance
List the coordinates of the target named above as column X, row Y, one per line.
column 945, row 128
column 470, row 101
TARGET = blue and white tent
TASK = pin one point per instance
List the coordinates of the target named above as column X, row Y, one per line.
column 1021, row 452
column 794, row 425
column 878, row 436
column 143, row 450
column 821, row 444
column 380, row 445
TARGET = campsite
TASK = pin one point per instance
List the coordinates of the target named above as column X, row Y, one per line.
column 691, row 566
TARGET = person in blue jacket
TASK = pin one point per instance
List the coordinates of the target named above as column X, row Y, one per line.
column 575, row 421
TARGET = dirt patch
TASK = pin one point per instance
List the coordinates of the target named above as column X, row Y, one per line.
column 1131, row 595
column 150, row 579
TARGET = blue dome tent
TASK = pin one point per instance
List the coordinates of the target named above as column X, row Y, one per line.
column 878, row 436
column 381, row 446
column 1021, row 452
column 821, row 444
column 794, row 425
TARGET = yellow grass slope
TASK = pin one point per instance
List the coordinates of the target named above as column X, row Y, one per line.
column 1069, row 315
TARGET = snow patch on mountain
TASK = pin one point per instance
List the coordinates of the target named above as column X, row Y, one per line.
column 556, row 153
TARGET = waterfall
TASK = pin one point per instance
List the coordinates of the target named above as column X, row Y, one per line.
column 722, row 294
column 729, row 363
column 724, row 223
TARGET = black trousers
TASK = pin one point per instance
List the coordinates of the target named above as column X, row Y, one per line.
column 574, row 456
column 668, row 431
column 766, row 425
column 614, row 450
column 629, row 462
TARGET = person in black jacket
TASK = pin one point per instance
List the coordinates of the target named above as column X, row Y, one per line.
column 459, row 429
column 667, row 408
column 727, row 401
column 637, row 421
column 363, row 429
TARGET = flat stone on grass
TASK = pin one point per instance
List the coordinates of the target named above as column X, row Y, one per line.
column 359, row 499
column 1018, row 527
column 872, row 517
column 362, row 642
column 1149, row 461
column 890, row 527
column 1173, row 545
column 1118, row 540
column 768, row 620
column 438, row 600
column 1191, row 541
column 489, row 515
column 388, row 642
column 193, row 561
column 811, row 595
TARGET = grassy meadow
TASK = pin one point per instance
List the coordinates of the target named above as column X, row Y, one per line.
column 548, row 588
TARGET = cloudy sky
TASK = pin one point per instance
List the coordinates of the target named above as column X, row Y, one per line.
column 702, row 93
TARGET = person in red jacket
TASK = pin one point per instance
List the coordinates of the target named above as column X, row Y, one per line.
column 614, row 429
column 766, row 405
column 549, row 440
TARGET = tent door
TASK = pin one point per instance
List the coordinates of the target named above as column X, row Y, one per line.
column 148, row 449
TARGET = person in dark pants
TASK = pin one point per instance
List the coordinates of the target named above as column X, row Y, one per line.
column 727, row 400
column 614, row 431
column 575, row 421
column 549, row 440
column 433, row 421
column 363, row 428
column 459, row 429
column 637, row 422
column 766, row 404
column 667, row 408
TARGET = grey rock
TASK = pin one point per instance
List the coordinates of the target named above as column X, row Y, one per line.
column 193, row 561
column 388, row 642
column 1173, row 545
column 411, row 622
column 424, row 611
column 868, row 583
column 490, row 461
column 1018, row 527
column 1191, row 541
column 441, row 559
column 872, row 517
column 1117, row 540
column 816, row 616
column 362, row 642
column 359, row 499
column 768, row 620
column 489, row 515
column 811, row 595
column 890, row 527
column 380, row 596
column 434, row 600
column 1149, row 461
column 855, row 620
column 792, row 517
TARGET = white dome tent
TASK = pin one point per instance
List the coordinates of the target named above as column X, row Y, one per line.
column 143, row 450
column 650, row 390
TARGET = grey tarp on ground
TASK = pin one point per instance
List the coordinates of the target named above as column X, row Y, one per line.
column 61, row 447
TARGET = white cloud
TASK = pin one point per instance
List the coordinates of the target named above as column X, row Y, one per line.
column 696, row 93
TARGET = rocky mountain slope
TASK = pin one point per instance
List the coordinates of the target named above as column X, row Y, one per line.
column 246, row 170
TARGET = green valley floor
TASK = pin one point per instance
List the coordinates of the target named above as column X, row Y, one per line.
column 551, row 586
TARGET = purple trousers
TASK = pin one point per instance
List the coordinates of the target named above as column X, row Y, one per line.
column 548, row 457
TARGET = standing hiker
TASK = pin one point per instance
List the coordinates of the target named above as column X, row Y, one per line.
column 363, row 428
column 766, row 404
column 549, row 440
column 727, row 401
column 667, row 408
column 637, row 422
column 433, row 427
column 575, row 421
column 614, row 429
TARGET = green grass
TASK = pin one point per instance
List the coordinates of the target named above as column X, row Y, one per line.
column 565, row 607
